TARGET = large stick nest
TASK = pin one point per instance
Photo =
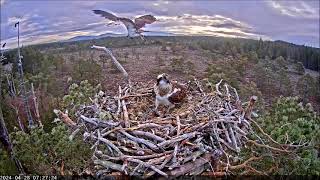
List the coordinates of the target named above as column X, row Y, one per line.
column 203, row 133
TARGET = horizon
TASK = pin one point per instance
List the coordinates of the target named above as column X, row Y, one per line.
column 71, row 40
column 46, row 22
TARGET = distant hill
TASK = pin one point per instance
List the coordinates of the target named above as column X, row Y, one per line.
column 82, row 38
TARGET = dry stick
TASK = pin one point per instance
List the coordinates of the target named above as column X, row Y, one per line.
column 73, row 134
column 148, row 135
column 125, row 114
column 109, row 164
column 193, row 156
column 227, row 92
column 98, row 122
column 148, row 166
column 176, row 146
column 177, row 139
column 240, row 131
column 178, row 125
column 36, row 105
column 256, row 171
column 158, row 160
column 245, row 163
column 226, row 132
column 194, row 127
column 217, row 87
column 220, row 146
column 232, row 112
column 233, row 138
column 167, row 159
column 119, row 102
column 135, row 169
column 89, row 120
column 238, row 104
column 198, row 85
column 227, row 145
column 218, row 111
column 148, row 125
column 135, row 95
column 267, row 146
column 236, row 93
column 140, row 126
column 151, row 156
column 114, row 61
column 188, row 167
column 22, row 128
column 109, row 143
column 140, row 140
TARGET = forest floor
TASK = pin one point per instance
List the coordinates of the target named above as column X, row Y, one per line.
column 144, row 63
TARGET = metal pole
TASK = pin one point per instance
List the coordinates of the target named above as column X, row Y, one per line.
column 24, row 93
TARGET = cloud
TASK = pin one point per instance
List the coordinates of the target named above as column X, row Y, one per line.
column 297, row 9
column 15, row 19
column 45, row 38
column 215, row 25
column 43, row 21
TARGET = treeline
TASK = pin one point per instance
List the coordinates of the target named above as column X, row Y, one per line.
column 309, row 56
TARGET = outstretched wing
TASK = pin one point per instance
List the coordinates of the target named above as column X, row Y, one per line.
column 106, row 15
column 143, row 20
column 129, row 25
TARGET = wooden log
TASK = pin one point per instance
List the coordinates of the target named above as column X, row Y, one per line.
column 109, row 164
column 113, row 59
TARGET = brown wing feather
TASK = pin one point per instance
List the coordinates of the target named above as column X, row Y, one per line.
column 143, row 20
column 106, row 15
column 179, row 95
column 127, row 22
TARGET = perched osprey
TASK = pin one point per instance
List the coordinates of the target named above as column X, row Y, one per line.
column 133, row 28
column 168, row 93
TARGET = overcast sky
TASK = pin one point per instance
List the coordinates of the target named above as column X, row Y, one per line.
column 48, row 20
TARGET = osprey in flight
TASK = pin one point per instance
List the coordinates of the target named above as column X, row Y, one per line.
column 168, row 93
column 133, row 27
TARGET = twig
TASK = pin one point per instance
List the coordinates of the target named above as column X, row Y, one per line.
column 217, row 87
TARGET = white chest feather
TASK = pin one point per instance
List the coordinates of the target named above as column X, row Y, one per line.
column 163, row 100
